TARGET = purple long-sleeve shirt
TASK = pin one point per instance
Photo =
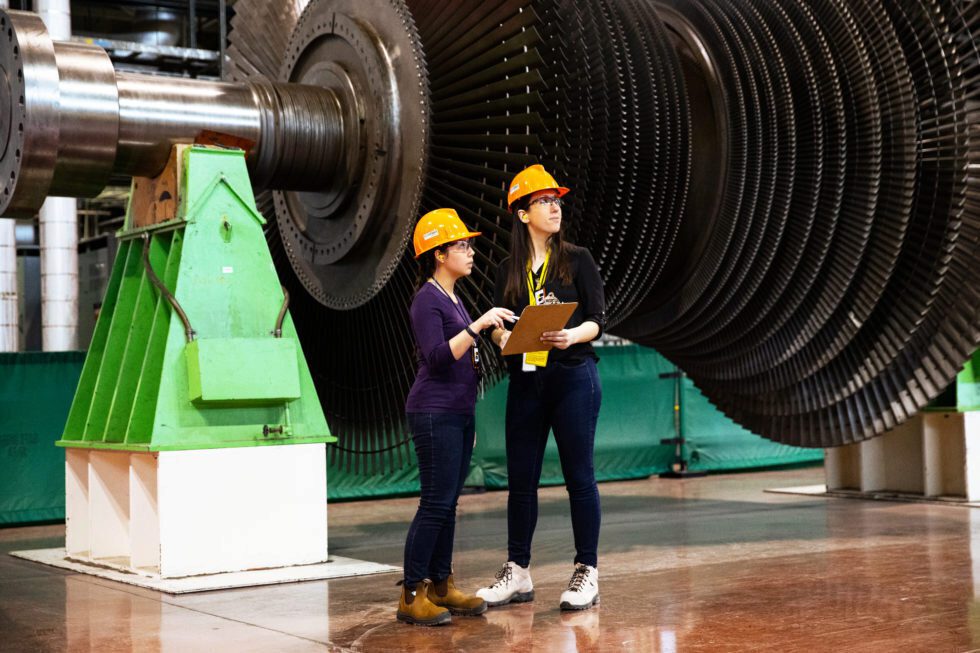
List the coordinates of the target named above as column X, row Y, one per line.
column 443, row 384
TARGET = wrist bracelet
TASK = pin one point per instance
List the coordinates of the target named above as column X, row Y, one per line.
column 472, row 333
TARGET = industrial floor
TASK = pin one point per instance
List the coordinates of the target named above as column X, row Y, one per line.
column 711, row 564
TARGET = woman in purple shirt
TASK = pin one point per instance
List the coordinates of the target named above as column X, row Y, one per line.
column 440, row 409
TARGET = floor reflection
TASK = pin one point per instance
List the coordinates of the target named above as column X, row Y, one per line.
column 701, row 565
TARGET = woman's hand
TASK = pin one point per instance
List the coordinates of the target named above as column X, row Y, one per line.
column 494, row 318
column 559, row 339
column 504, row 337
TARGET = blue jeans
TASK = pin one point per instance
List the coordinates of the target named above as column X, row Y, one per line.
column 565, row 400
column 443, row 447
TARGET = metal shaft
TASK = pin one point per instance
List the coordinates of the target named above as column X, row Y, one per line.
column 72, row 121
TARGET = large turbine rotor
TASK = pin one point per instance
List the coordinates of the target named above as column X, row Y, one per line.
column 781, row 194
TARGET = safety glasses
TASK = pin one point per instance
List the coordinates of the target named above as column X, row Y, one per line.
column 460, row 246
column 547, row 200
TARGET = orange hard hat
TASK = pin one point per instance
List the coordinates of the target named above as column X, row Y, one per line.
column 437, row 228
column 531, row 180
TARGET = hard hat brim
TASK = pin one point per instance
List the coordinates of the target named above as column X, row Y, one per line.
column 562, row 191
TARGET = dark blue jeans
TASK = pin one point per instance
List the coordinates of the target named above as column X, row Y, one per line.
column 443, row 447
column 565, row 400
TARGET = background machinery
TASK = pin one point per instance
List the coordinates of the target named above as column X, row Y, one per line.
column 782, row 196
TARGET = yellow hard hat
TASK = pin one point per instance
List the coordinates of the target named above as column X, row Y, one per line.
column 437, row 228
column 531, row 180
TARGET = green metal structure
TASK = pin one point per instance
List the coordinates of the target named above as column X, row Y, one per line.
column 206, row 368
column 968, row 385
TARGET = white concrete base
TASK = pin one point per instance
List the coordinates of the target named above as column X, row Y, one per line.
column 187, row 513
column 337, row 567
column 934, row 455
column 822, row 491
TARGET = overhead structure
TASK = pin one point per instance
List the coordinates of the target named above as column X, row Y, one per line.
column 781, row 195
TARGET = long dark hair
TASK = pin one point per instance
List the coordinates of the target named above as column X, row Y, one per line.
column 520, row 254
column 427, row 266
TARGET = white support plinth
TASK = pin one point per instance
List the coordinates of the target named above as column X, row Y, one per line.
column 186, row 513
column 108, row 504
column 933, row 455
column 76, row 502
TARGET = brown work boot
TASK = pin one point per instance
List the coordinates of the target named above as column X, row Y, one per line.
column 414, row 606
column 444, row 593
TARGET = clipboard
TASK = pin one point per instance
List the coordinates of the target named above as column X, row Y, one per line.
column 534, row 321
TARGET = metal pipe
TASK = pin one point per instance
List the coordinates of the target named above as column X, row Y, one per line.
column 9, row 327
column 58, row 216
column 222, row 34
column 74, row 121
column 189, row 332
column 277, row 332
column 156, row 112
column 192, row 24
column 87, row 142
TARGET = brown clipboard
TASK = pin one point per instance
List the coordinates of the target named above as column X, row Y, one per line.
column 534, row 321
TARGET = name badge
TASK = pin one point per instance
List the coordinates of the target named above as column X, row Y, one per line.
column 536, row 358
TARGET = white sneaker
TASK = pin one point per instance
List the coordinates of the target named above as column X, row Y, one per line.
column 512, row 585
column 583, row 589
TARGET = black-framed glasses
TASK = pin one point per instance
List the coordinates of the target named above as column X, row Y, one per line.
column 546, row 200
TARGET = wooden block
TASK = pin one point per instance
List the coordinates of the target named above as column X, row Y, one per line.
column 154, row 199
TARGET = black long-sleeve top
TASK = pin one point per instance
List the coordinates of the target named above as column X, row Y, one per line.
column 586, row 289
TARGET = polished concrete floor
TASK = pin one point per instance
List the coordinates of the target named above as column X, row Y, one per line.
column 709, row 564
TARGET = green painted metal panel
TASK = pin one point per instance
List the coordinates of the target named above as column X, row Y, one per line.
column 968, row 385
column 242, row 371
column 121, row 407
column 139, row 429
column 120, row 321
column 78, row 413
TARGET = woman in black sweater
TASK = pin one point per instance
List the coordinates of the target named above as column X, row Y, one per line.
column 556, row 390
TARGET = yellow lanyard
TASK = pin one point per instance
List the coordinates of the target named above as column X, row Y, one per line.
column 534, row 359
column 531, row 286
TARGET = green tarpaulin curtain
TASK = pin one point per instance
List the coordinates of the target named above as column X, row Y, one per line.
column 36, row 390
column 637, row 413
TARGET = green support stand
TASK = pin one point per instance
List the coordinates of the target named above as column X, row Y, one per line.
column 195, row 444
column 218, row 376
